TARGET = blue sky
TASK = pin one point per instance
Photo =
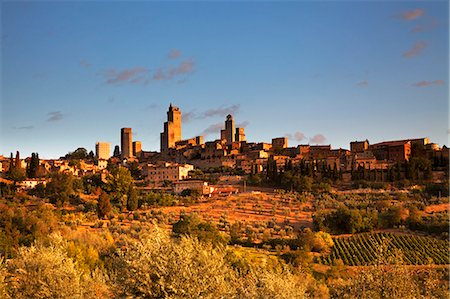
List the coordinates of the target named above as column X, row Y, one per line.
column 326, row 72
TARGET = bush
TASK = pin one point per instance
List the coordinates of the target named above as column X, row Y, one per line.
column 159, row 267
column 47, row 272
column 192, row 225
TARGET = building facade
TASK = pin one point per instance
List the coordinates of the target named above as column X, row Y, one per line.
column 103, row 150
column 126, row 143
column 137, row 148
column 228, row 133
column 172, row 129
column 158, row 173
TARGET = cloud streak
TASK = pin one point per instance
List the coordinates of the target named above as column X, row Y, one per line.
column 24, row 128
column 428, row 83
column 221, row 111
column 85, row 64
column 297, row 136
column 318, row 139
column 412, row 14
column 363, row 83
column 212, row 129
column 242, row 124
column 132, row 75
column 425, row 27
column 184, row 68
column 416, row 49
column 174, row 54
column 144, row 75
column 55, row 116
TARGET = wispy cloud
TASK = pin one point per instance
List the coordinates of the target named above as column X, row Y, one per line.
column 144, row 75
column 412, row 14
column 416, row 49
column 212, row 129
column 174, row 54
column 425, row 26
column 363, row 83
column 297, row 136
column 152, row 106
column 242, row 124
column 55, row 116
column 23, row 128
column 318, row 139
column 188, row 116
column 133, row 75
column 428, row 83
column 85, row 64
column 221, row 111
column 184, row 68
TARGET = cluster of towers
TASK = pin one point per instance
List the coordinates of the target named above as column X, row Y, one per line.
column 171, row 136
column 230, row 133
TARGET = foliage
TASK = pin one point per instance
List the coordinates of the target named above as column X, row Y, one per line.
column 60, row 187
column 79, row 154
column 33, row 166
column 103, row 205
column 345, row 220
column 192, row 225
column 158, row 267
column 42, row 271
column 19, row 226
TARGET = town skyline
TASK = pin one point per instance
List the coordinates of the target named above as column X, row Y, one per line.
column 304, row 68
column 198, row 140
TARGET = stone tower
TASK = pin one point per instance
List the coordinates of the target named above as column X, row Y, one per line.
column 172, row 128
column 126, row 143
column 228, row 133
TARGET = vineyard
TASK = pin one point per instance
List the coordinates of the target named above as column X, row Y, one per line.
column 361, row 249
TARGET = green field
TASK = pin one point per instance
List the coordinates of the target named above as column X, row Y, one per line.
column 361, row 249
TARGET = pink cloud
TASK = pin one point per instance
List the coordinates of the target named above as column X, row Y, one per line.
column 428, row 83
column 416, row 49
column 318, row 139
column 133, row 75
column 412, row 14
column 174, row 54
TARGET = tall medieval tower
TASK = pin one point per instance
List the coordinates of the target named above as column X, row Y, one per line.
column 172, row 129
column 229, row 133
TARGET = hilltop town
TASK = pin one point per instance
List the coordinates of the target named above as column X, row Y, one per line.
column 319, row 221
column 178, row 158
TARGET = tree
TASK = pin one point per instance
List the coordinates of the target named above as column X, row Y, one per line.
column 116, row 151
column 91, row 155
column 132, row 199
column 119, row 184
column 17, row 162
column 192, row 225
column 33, row 166
column 48, row 272
column 60, row 187
column 103, row 205
column 79, row 154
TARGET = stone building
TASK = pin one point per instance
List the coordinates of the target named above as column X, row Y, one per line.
column 240, row 135
column 172, row 129
column 359, row 146
column 103, row 150
column 126, row 143
column 279, row 143
column 166, row 171
column 137, row 148
column 228, row 133
column 395, row 151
